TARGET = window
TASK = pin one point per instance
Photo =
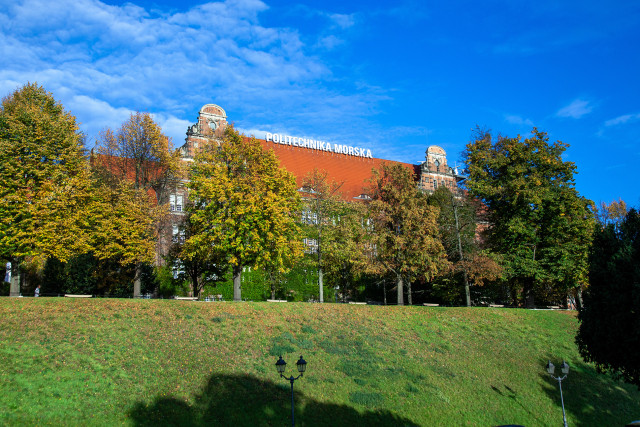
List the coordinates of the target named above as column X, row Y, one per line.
column 175, row 203
column 309, row 217
column 177, row 235
column 311, row 246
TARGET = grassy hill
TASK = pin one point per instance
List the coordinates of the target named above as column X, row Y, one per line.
column 159, row 362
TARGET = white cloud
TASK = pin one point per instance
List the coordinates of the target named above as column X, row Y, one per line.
column 576, row 109
column 343, row 21
column 622, row 119
column 517, row 120
column 105, row 61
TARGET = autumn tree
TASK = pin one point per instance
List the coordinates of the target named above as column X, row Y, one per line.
column 321, row 198
column 138, row 152
column 538, row 222
column 405, row 231
column 41, row 158
column 611, row 213
column 244, row 206
column 609, row 322
column 199, row 265
column 348, row 248
column 457, row 224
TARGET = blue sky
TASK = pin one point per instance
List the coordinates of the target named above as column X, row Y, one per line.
column 394, row 77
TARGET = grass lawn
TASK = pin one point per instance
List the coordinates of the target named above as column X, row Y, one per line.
column 164, row 362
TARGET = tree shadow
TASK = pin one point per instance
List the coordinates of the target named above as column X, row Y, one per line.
column 590, row 398
column 513, row 395
column 242, row 400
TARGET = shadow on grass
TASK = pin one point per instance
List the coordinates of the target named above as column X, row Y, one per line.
column 242, row 400
column 590, row 398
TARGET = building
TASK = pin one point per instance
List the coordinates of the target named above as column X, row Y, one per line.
column 349, row 165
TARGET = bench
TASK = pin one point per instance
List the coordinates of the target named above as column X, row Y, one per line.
column 496, row 305
column 428, row 304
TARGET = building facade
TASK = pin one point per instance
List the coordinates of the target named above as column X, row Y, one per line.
column 349, row 165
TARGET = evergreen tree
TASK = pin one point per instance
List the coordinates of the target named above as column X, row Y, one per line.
column 609, row 333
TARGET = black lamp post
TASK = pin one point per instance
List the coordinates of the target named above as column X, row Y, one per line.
column 565, row 370
column 281, row 365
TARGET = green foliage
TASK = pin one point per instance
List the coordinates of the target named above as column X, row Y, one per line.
column 539, row 223
column 167, row 285
column 450, row 206
column 609, row 321
column 244, row 207
column 88, row 275
column 40, row 158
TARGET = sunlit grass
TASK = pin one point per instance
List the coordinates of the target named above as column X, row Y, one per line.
column 106, row 362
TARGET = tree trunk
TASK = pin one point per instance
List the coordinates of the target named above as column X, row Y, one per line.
column 409, row 298
column 320, row 284
column 137, row 281
column 237, row 283
column 384, row 291
column 400, row 290
column 273, row 291
column 579, row 298
column 529, row 299
column 467, row 291
column 195, row 286
column 14, row 289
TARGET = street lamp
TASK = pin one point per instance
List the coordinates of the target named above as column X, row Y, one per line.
column 281, row 365
column 565, row 370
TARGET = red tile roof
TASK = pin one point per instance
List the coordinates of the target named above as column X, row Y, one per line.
column 354, row 172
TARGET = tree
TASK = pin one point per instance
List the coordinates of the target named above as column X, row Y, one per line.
column 321, row 200
column 200, row 265
column 41, row 153
column 244, row 206
column 539, row 223
column 609, row 332
column 405, row 231
column 347, row 245
column 612, row 213
column 457, row 226
column 138, row 152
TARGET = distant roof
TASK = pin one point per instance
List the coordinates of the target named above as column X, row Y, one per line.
column 352, row 170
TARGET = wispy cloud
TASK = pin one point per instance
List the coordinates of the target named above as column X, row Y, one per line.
column 517, row 120
column 576, row 109
column 623, row 119
column 105, row 61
